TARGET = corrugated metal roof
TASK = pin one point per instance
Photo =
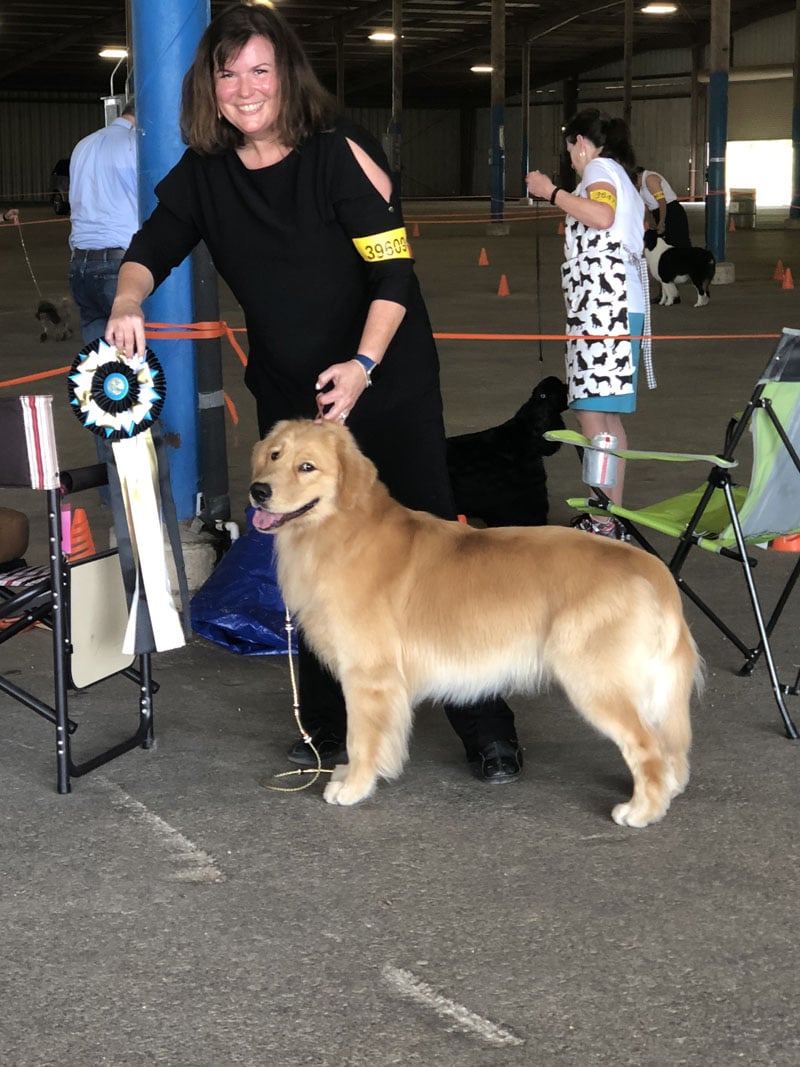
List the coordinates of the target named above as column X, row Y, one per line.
column 49, row 44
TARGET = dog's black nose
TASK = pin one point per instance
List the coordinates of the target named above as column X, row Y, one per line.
column 260, row 492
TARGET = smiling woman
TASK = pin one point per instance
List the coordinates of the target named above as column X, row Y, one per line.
column 297, row 209
column 249, row 98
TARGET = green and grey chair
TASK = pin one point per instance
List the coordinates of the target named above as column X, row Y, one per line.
column 728, row 519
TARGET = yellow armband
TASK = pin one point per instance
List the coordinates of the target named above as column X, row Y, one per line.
column 382, row 246
column 659, row 195
column 603, row 196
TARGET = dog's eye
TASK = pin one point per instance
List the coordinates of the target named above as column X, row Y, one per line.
column 274, row 455
column 306, row 467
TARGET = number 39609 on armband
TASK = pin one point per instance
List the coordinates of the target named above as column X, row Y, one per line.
column 392, row 244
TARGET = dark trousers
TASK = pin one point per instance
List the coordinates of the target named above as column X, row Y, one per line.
column 676, row 225
column 93, row 277
column 412, row 463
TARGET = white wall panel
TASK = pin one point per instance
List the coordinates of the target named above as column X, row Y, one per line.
column 659, row 131
column 431, row 140
column 769, row 41
column 36, row 131
column 760, row 111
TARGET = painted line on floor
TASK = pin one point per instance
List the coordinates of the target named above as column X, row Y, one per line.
column 413, row 988
column 198, row 865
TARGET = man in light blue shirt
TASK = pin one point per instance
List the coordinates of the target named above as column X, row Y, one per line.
column 104, row 210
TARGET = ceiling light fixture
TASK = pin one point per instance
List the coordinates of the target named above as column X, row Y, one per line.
column 481, row 68
column 659, row 9
column 382, row 35
column 113, row 53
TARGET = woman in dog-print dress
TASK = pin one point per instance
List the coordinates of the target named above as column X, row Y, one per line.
column 604, row 280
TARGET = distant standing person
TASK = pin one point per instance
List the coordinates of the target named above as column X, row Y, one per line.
column 669, row 217
column 104, row 213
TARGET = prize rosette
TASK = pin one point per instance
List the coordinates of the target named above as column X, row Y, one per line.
column 120, row 401
column 114, row 397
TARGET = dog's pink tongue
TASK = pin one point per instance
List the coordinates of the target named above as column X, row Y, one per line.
column 265, row 520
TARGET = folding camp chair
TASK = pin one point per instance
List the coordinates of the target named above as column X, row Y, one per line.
column 82, row 603
column 729, row 519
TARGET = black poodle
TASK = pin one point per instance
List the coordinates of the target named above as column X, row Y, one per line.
column 498, row 474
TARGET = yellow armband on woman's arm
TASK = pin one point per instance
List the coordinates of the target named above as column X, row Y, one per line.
column 378, row 247
column 604, row 196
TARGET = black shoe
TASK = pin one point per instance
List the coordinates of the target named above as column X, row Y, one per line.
column 331, row 749
column 498, row 762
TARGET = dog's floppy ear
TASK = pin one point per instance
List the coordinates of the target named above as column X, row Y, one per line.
column 357, row 474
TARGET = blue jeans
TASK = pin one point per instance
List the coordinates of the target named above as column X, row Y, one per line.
column 93, row 283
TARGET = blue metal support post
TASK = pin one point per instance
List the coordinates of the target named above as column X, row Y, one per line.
column 719, row 64
column 794, row 209
column 498, row 110
column 165, row 37
column 717, row 145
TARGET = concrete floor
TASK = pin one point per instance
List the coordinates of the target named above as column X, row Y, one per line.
column 172, row 910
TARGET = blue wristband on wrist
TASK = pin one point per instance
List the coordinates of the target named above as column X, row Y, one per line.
column 368, row 365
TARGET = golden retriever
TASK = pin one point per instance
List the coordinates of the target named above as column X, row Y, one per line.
column 403, row 606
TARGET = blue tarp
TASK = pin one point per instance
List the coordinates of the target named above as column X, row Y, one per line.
column 240, row 605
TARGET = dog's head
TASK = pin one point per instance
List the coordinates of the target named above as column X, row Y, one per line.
column 542, row 412
column 650, row 240
column 303, row 472
column 48, row 311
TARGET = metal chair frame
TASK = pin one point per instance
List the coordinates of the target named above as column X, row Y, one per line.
column 49, row 602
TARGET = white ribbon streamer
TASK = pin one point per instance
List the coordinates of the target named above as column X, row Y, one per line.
column 138, row 475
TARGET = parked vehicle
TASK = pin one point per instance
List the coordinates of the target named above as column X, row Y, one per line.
column 59, row 187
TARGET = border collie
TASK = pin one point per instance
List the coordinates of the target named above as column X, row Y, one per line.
column 670, row 265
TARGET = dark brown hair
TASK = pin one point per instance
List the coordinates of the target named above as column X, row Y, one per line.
column 610, row 135
column 306, row 106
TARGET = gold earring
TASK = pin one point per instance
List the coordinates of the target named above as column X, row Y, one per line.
column 219, row 115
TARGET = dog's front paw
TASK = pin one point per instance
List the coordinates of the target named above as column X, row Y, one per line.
column 637, row 815
column 343, row 788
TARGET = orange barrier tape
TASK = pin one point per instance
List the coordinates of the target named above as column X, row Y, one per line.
column 194, row 331
column 34, row 377
column 229, row 404
column 605, row 337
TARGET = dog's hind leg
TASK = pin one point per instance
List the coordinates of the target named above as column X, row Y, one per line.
column 612, row 711
column 378, row 727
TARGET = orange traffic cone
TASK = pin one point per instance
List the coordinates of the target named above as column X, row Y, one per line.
column 561, row 228
column 791, row 543
column 788, row 282
column 415, row 230
column 502, row 289
column 462, row 518
column 483, row 259
column 778, row 275
column 81, row 541
column 731, row 225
